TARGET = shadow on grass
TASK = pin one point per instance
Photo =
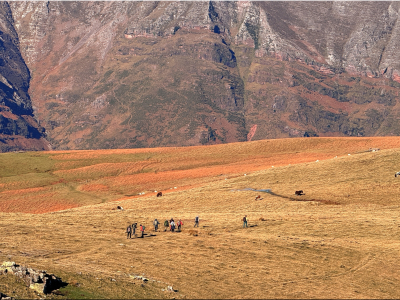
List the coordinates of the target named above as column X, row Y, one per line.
column 298, row 198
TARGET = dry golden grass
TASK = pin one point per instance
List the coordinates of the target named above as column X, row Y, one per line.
column 340, row 241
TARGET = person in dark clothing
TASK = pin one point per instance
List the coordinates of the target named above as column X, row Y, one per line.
column 245, row 221
column 156, row 225
column 180, row 223
column 166, row 225
column 196, row 221
column 134, row 226
column 172, row 226
column 129, row 232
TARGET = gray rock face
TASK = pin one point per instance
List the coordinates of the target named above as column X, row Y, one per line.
column 360, row 35
column 357, row 36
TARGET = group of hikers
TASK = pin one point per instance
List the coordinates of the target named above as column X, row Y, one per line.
column 168, row 225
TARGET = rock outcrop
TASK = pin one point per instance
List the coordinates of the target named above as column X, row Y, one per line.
column 39, row 281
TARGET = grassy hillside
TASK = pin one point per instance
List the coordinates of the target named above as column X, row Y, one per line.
column 75, row 178
column 339, row 240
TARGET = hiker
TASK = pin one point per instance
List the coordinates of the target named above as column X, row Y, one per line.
column 166, row 225
column 142, row 227
column 180, row 223
column 134, row 226
column 156, row 225
column 129, row 232
column 245, row 221
column 196, row 221
column 172, row 226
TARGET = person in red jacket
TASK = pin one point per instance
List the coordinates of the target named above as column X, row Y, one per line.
column 180, row 223
column 142, row 230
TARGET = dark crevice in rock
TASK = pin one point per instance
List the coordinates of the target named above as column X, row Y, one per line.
column 5, row 297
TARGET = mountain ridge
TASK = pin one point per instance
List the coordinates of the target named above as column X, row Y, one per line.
column 148, row 74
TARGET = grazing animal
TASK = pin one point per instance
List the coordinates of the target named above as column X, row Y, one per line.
column 120, row 207
column 299, row 193
column 258, row 197
column 397, row 174
column 159, row 194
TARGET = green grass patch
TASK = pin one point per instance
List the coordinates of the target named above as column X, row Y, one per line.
column 13, row 164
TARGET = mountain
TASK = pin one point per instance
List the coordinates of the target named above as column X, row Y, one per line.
column 18, row 127
column 147, row 74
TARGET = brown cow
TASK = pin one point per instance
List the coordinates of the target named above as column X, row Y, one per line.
column 299, row 193
column 159, row 194
column 258, row 197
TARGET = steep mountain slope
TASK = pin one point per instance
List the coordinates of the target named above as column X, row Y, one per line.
column 145, row 74
column 18, row 128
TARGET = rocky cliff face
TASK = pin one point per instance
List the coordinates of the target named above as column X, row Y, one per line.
column 18, row 128
column 140, row 74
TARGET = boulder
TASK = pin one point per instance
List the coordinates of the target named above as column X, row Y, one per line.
column 7, row 267
column 38, row 287
column 39, row 281
column 8, row 264
column 171, row 289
